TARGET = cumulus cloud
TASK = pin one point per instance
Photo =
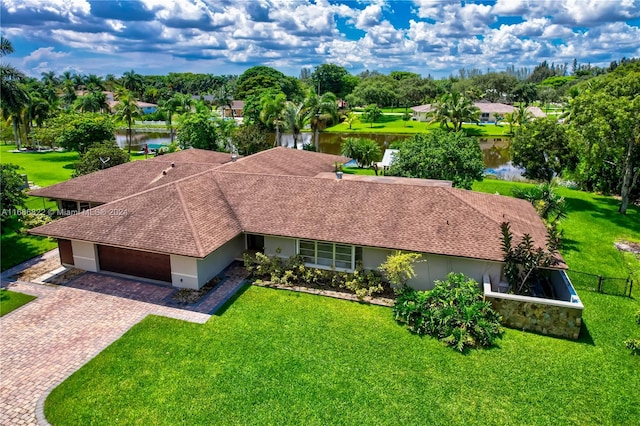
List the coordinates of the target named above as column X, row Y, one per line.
column 418, row 35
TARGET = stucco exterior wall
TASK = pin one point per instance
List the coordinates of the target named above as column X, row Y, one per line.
column 85, row 255
column 184, row 272
column 287, row 246
column 213, row 264
column 433, row 267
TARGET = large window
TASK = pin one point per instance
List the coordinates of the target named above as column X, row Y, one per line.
column 329, row 255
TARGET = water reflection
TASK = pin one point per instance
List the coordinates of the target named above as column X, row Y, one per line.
column 495, row 150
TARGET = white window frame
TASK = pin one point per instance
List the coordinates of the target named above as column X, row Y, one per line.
column 315, row 263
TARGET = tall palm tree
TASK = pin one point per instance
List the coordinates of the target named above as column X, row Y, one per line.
column 223, row 97
column 132, row 81
column 127, row 109
column 13, row 97
column 322, row 111
column 68, row 94
column 294, row 119
column 170, row 107
column 185, row 103
column 271, row 112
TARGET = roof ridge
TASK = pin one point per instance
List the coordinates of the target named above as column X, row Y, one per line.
column 226, row 201
column 194, row 232
column 456, row 191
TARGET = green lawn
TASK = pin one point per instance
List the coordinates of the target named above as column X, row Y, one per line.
column 591, row 228
column 11, row 300
column 277, row 357
column 394, row 124
column 42, row 168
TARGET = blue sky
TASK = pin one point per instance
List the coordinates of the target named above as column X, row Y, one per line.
column 436, row 37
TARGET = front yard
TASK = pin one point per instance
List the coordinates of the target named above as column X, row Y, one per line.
column 277, row 357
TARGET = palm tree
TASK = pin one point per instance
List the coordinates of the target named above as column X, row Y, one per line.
column 323, row 111
column 13, row 97
column 127, row 109
column 170, row 107
column 350, row 118
column 68, row 94
column 271, row 113
column 510, row 118
column 6, row 48
column 185, row 102
column 455, row 109
column 132, row 81
column 523, row 115
column 294, row 117
column 94, row 82
column 223, row 97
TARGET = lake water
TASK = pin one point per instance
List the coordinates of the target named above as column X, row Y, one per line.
column 495, row 151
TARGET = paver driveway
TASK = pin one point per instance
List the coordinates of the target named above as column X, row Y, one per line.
column 46, row 340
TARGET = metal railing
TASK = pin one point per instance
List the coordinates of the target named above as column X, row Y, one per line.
column 601, row 284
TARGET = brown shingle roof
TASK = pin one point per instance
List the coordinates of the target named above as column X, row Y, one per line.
column 130, row 178
column 193, row 155
column 120, row 181
column 286, row 162
column 196, row 215
column 178, row 218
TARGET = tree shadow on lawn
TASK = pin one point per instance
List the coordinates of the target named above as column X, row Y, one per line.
column 569, row 245
column 608, row 213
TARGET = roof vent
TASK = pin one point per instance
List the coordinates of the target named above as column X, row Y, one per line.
column 339, row 174
column 173, row 164
column 164, row 172
column 234, row 156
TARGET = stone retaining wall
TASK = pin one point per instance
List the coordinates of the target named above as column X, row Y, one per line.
column 551, row 317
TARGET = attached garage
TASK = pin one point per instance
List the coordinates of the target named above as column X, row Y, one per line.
column 137, row 263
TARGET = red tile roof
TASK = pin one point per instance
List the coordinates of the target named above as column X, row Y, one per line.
column 195, row 215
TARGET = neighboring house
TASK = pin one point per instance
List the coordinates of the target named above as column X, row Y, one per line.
column 488, row 110
column 182, row 218
column 145, row 107
column 236, row 109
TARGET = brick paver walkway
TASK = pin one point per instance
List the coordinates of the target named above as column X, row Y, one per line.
column 46, row 340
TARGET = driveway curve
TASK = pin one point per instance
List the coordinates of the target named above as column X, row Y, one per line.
column 46, row 340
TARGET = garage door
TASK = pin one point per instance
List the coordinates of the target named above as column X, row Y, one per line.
column 66, row 252
column 134, row 262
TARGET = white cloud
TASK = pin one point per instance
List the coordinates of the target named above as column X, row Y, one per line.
column 44, row 54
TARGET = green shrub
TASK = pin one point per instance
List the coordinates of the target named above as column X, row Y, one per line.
column 293, row 271
column 454, row 312
column 633, row 345
column 33, row 220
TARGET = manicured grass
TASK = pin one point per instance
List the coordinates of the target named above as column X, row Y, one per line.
column 277, row 357
column 394, row 124
column 11, row 300
column 42, row 168
column 592, row 226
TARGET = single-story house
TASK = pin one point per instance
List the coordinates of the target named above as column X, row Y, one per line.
column 488, row 111
column 183, row 217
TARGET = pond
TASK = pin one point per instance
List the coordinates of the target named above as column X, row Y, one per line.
column 495, row 150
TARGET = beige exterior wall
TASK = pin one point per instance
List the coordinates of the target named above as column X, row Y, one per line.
column 85, row 255
column 213, row 264
column 287, row 246
column 433, row 267
column 184, row 272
